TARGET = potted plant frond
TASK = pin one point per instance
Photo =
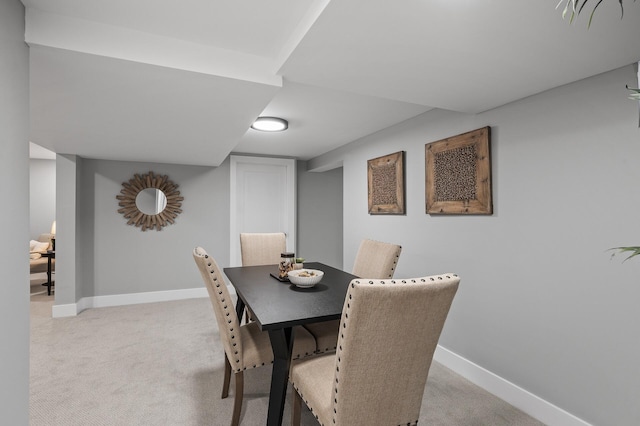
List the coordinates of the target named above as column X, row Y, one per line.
column 573, row 8
column 632, row 251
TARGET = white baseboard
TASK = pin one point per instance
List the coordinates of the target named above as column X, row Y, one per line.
column 69, row 310
column 520, row 398
column 72, row 309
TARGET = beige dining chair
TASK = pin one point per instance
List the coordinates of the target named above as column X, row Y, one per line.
column 245, row 346
column 374, row 259
column 262, row 248
column 388, row 333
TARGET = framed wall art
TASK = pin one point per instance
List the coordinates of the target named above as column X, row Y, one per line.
column 458, row 174
column 385, row 176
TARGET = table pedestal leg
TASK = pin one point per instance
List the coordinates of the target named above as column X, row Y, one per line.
column 282, row 345
column 239, row 309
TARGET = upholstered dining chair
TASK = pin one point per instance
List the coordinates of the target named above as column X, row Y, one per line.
column 262, row 248
column 245, row 346
column 388, row 333
column 374, row 259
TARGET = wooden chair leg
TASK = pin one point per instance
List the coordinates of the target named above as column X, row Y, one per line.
column 237, row 402
column 227, row 377
column 295, row 409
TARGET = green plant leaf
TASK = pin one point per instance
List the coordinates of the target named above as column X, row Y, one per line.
column 594, row 11
column 635, row 93
column 576, row 7
column 584, row 3
column 635, row 251
column 566, row 7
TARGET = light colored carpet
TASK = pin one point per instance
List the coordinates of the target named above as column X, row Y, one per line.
column 162, row 364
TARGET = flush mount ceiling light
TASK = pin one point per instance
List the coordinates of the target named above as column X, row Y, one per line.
column 270, row 124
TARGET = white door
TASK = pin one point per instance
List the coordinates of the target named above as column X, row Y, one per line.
column 263, row 199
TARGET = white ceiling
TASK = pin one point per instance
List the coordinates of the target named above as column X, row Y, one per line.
column 181, row 81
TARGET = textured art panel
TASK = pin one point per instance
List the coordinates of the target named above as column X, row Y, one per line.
column 385, row 177
column 458, row 174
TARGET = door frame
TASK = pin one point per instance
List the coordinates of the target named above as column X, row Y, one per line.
column 289, row 164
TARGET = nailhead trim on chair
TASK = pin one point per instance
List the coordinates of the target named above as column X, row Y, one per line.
column 307, row 404
column 395, row 262
column 393, row 268
column 302, row 396
column 344, row 326
column 226, row 308
column 386, row 272
column 339, row 350
column 231, row 329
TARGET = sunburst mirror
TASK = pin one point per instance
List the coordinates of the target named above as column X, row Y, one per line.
column 150, row 201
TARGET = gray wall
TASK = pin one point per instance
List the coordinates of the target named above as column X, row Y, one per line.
column 42, row 196
column 14, row 190
column 68, row 246
column 320, row 216
column 117, row 258
column 114, row 258
column 541, row 304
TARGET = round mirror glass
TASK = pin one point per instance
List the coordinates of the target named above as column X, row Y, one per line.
column 151, row 201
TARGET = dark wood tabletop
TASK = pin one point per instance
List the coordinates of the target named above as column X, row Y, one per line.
column 279, row 306
column 274, row 304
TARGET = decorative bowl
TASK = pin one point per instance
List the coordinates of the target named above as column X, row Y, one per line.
column 305, row 277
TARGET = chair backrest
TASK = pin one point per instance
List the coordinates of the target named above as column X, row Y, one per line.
column 388, row 334
column 376, row 259
column 223, row 307
column 262, row 248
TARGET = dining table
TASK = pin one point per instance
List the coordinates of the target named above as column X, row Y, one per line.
column 278, row 306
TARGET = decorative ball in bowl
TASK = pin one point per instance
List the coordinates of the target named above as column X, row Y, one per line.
column 305, row 277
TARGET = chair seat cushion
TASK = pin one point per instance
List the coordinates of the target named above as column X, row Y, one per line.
column 325, row 333
column 313, row 378
column 256, row 346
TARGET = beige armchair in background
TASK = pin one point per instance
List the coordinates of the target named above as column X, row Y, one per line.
column 37, row 262
column 245, row 346
column 375, row 259
column 388, row 334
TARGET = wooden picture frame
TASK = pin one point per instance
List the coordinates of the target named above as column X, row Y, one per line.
column 458, row 174
column 385, row 176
